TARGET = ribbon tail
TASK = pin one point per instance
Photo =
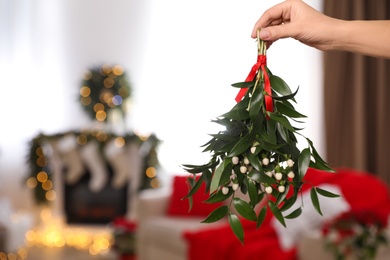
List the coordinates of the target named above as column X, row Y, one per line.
column 250, row 77
column 269, row 105
column 241, row 94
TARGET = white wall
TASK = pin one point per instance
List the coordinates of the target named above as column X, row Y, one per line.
column 182, row 57
column 193, row 56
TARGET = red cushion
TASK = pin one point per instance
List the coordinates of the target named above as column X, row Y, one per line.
column 180, row 207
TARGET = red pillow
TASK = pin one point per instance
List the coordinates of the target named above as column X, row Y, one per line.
column 180, row 207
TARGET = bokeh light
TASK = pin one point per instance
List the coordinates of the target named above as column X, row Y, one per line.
column 151, row 172
column 119, row 142
column 101, row 115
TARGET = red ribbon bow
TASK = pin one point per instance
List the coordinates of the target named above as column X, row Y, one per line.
column 261, row 63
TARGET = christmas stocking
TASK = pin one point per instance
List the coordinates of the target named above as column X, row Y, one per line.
column 94, row 162
column 119, row 162
column 67, row 148
column 135, row 164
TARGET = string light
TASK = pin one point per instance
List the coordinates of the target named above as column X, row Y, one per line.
column 151, row 172
column 53, row 233
column 119, row 142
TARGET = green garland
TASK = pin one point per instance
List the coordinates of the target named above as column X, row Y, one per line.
column 40, row 177
column 104, row 89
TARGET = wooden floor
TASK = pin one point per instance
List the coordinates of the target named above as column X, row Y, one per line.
column 66, row 253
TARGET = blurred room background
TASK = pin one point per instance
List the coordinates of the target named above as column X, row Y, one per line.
column 181, row 58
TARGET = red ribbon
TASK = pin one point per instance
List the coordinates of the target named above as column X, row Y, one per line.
column 261, row 63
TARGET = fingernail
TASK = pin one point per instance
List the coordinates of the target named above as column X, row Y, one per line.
column 264, row 34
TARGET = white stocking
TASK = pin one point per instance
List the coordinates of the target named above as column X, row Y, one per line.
column 93, row 160
column 118, row 160
column 67, row 147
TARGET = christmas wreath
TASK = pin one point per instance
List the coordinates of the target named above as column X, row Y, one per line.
column 257, row 153
column 104, row 89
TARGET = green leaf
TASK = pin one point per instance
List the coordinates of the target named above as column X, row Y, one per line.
column 199, row 168
column 266, row 179
column 296, row 213
column 261, row 217
column 219, row 197
column 326, row 193
column 236, row 226
column 271, row 131
column 190, row 203
column 226, row 173
column 288, row 203
column 282, row 196
column 194, row 188
column 283, row 132
column 207, row 176
column 244, row 209
column 256, row 103
column 226, row 147
column 319, row 162
column 303, row 162
column 242, row 145
column 217, row 175
column 253, row 193
column 246, row 84
column 314, row 200
column 237, row 114
column 254, row 161
column 288, row 111
column 217, row 214
column 277, row 213
column 279, row 85
column 320, row 166
column 286, row 97
column 243, row 104
column 269, row 146
column 258, row 124
column 255, row 175
column 282, row 120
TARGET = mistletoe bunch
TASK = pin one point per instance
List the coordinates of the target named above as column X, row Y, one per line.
column 257, row 153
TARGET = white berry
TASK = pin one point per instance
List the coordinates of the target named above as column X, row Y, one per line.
column 225, row 190
column 235, row 186
column 246, row 160
column 291, row 175
column 268, row 189
column 278, row 176
column 265, row 161
column 243, row 169
column 253, row 149
column 235, row 160
column 281, row 189
column 269, row 174
column 290, row 163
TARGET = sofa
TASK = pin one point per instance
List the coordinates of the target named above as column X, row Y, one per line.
column 160, row 230
column 168, row 231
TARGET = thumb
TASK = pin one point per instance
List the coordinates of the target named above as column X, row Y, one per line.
column 274, row 33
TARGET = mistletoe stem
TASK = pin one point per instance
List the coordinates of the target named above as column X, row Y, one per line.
column 261, row 50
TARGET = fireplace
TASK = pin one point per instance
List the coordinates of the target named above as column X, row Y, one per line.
column 83, row 206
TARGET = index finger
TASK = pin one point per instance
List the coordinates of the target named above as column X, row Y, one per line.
column 273, row 16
